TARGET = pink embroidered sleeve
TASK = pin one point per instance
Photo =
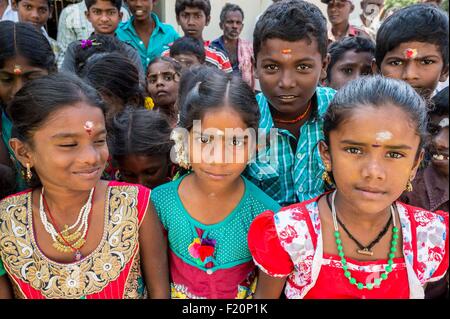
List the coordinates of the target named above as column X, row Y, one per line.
column 265, row 247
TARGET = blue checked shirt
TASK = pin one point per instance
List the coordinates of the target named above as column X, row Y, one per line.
column 286, row 176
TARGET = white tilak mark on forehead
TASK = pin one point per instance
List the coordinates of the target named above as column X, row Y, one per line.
column 444, row 122
column 383, row 136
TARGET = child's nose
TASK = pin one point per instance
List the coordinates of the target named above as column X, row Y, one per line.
column 287, row 80
column 410, row 72
column 90, row 155
column 373, row 170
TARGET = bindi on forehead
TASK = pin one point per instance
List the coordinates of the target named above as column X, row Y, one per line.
column 88, row 127
column 410, row 53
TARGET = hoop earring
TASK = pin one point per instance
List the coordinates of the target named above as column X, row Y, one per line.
column 409, row 186
column 118, row 176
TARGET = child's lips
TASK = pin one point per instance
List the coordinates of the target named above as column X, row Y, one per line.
column 161, row 93
column 287, row 98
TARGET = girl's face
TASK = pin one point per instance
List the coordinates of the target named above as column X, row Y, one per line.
column 162, row 84
column 149, row 171
column 15, row 72
column 69, row 150
column 219, row 148
column 372, row 155
column 350, row 66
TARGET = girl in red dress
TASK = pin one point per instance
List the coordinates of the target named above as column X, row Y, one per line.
column 358, row 241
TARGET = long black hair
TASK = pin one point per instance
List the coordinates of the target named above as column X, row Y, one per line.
column 377, row 91
column 24, row 40
column 203, row 88
column 139, row 132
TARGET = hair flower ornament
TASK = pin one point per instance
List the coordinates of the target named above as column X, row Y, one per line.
column 88, row 43
column 181, row 154
column 149, row 103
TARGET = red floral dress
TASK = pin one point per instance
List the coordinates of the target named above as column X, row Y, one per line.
column 289, row 244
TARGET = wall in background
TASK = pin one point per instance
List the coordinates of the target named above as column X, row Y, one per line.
column 252, row 9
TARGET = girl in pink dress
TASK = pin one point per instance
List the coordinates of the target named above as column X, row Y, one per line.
column 358, row 241
column 72, row 235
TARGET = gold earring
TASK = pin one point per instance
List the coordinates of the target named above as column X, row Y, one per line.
column 29, row 174
column 409, row 187
column 326, row 177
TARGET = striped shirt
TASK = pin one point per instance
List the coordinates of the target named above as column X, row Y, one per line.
column 214, row 57
column 291, row 177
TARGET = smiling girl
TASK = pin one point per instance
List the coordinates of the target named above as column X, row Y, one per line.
column 72, row 235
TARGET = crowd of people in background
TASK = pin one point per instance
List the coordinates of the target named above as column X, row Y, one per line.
column 137, row 162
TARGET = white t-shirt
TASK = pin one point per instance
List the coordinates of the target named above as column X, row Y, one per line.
column 9, row 14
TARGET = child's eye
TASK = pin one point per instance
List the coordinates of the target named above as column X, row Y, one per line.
column 433, row 129
column 101, row 142
column 152, row 79
column 168, row 77
column 151, row 172
column 347, row 71
column 395, row 63
column 271, row 67
column 6, row 79
column 237, row 142
column 394, row 155
column 353, row 150
column 427, row 62
column 204, row 139
column 303, row 67
column 67, row 145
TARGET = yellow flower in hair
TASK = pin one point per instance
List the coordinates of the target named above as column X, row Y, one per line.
column 148, row 103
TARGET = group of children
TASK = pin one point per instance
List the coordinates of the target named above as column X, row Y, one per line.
column 314, row 213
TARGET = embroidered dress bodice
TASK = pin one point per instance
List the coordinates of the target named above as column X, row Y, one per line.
column 111, row 271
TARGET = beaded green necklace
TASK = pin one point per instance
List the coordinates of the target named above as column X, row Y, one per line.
column 377, row 281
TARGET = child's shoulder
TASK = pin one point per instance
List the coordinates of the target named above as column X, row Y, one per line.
column 422, row 217
column 258, row 195
column 166, row 186
column 304, row 211
column 325, row 91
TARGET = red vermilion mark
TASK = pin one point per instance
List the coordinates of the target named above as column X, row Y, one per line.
column 410, row 53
